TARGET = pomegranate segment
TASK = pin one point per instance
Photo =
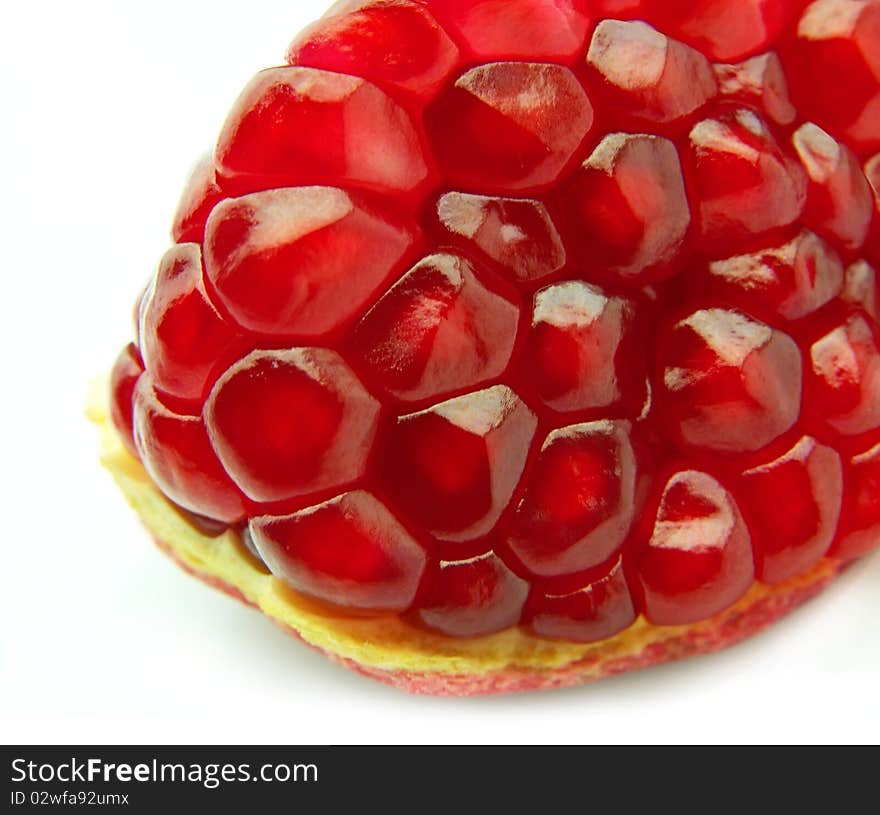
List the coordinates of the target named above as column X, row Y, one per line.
column 529, row 29
column 509, row 126
column 294, row 126
column 730, row 383
column 551, row 314
column 373, row 562
column 287, row 424
column 177, row 454
column 516, row 234
column 453, row 468
column 840, row 203
column 437, row 330
column 646, row 73
column 698, row 560
column 581, row 500
column 473, row 597
column 746, row 185
column 845, row 377
column 184, row 339
column 601, row 609
column 791, row 536
column 301, row 261
column 581, row 352
column 860, row 520
column 627, row 206
column 389, row 42
column 793, row 280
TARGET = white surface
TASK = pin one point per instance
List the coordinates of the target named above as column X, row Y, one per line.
column 106, row 105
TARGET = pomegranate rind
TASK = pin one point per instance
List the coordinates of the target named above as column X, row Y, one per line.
column 392, row 651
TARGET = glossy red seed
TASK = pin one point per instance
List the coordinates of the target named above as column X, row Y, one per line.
column 793, row 280
column 730, row 383
column 648, row 74
column 294, row 126
column 844, row 383
column 840, row 203
column 860, row 521
column 509, row 126
column 178, row 456
column 861, row 290
column 746, row 186
column 581, row 354
column 724, row 30
column 437, row 330
column 301, row 261
column 698, row 560
column 580, row 502
column 287, row 424
column 529, row 29
column 593, row 613
column 473, row 597
column 833, row 64
column 391, row 42
column 627, row 207
column 373, row 562
column 126, row 371
column 185, row 341
column 791, row 536
column 758, row 82
column 515, row 233
column 453, row 468
column 200, row 196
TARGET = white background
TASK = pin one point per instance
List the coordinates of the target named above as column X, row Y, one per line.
column 105, row 106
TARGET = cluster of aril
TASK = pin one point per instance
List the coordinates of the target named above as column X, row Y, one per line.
column 500, row 312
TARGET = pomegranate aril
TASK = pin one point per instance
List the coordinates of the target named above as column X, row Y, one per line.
column 793, row 280
column 599, row 610
column 517, row 234
column 627, row 208
column 529, row 29
column 861, row 288
column 792, row 535
column 124, row 377
column 844, row 384
column 437, row 330
column 833, row 64
column 350, row 551
column 389, row 42
column 288, row 424
column 859, row 531
column 759, row 83
column 509, row 126
column 582, row 353
column 301, row 261
column 199, row 198
column 454, row 467
column 184, row 340
column 699, row 559
column 473, row 597
column 294, row 126
column 746, row 186
column 580, row 501
column 730, row 383
column 723, row 30
column 647, row 74
column 840, row 203
column 178, row 456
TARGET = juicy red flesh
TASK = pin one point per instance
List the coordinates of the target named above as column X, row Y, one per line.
column 511, row 312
